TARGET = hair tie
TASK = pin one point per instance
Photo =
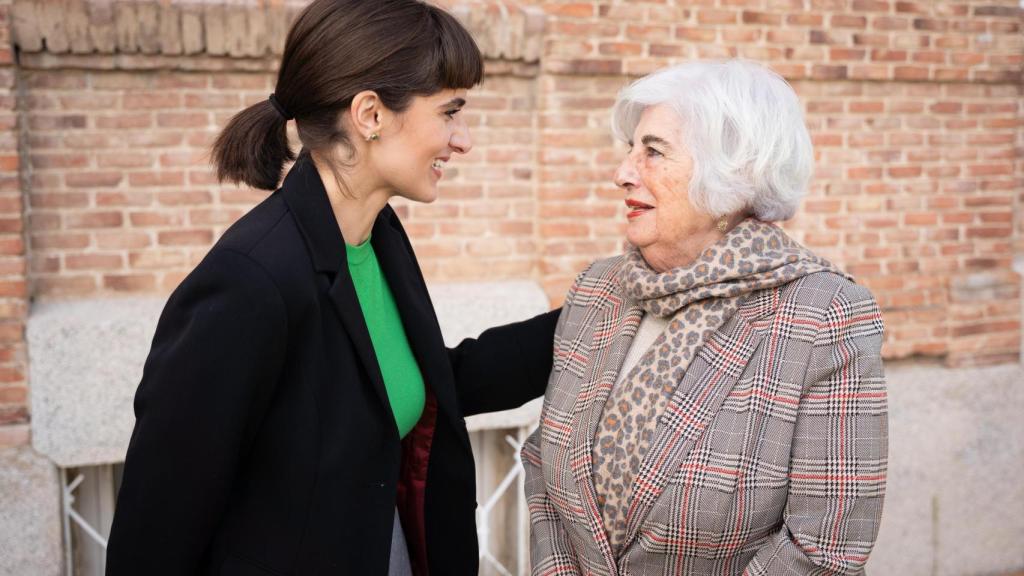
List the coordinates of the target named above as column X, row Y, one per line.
column 280, row 109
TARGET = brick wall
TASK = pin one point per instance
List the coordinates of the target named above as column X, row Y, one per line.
column 915, row 109
column 14, row 414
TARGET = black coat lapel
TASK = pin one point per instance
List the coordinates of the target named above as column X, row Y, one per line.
column 346, row 303
column 421, row 328
column 307, row 199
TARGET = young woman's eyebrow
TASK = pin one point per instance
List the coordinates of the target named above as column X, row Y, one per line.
column 454, row 103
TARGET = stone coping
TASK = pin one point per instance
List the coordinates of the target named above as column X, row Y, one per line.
column 86, row 359
column 85, row 30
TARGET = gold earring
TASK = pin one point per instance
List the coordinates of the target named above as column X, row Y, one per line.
column 723, row 224
column 373, row 137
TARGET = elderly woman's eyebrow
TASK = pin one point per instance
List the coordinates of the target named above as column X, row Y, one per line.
column 652, row 139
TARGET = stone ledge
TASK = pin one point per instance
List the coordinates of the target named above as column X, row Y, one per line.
column 69, row 30
column 207, row 63
column 87, row 358
column 30, row 516
column 956, row 453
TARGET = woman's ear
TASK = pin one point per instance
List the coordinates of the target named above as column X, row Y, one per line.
column 365, row 114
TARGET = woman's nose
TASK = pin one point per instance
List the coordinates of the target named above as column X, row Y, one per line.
column 461, row 141
column 625, row 174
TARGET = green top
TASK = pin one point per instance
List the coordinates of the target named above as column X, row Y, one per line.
column 402, row 377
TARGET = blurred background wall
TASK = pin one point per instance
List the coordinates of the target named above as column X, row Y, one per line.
column 107, row 199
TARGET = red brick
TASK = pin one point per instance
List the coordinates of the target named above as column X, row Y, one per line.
column 130, row 282
column 57, row 122
column 823, row 72
column 93, row 261
column 563, row 229
column 871, row 5
column 184, row 197
column 147, row 219
column 620, row 49
column 208, row 101
column 586, row 67
column 162, row 259
column 122, row 240
column 752, row 17
column 847, row 21
column 58, row 161
column 705, row 16
column 889, row 55
column 122, row 199
column 655, row 33
column 151, row 100
column 911, row 73
column 157, row 178
column 77, row 179
column 930, row 24
column 125, row 160
column 58, row 286
column 183, row 120
column 46, row 242
column 804, row 19
column 76, row 220
column 888, row 23
column 571, row 10
column 990, row 232
column 126, row 121
column 185, row 238
column 841, row 54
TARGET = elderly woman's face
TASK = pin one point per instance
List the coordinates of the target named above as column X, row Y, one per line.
column 655, row 177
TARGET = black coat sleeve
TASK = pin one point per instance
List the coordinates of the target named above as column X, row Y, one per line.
column 217, row 353
column 506, row 366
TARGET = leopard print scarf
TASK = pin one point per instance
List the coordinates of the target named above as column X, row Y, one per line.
column 698, row 297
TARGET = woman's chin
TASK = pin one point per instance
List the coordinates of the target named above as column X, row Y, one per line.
column 422, row 196
column 637, row 235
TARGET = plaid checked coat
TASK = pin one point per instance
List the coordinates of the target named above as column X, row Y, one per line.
column 770, row 457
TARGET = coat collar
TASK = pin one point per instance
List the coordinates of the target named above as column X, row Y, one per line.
column 306, row 197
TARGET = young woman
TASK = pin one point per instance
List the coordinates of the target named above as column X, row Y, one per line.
column 299, row 413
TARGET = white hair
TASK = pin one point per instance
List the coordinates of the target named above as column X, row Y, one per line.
column 744, row 128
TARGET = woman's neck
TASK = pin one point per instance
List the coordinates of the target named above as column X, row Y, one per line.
column 662, row 258
column 355, row 207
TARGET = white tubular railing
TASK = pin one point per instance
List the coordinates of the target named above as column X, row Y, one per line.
column 484, row 512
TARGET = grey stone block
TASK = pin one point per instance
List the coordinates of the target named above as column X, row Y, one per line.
column 955, row 499
column 467, row 309
column 30, row 517
column 86, row 360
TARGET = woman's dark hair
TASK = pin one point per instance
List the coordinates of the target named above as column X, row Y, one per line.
column 336, row 49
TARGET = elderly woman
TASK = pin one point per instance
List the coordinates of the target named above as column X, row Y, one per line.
column 717, row 403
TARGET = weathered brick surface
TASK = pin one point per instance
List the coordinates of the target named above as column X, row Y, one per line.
column 915, row 109
column 14, row 413
column 975, row 40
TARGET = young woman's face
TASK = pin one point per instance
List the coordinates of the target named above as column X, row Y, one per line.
column 415, row 146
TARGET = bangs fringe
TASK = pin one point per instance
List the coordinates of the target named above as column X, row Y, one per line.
column 458, row 61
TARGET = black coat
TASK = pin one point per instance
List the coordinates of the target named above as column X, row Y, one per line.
column 264, row 442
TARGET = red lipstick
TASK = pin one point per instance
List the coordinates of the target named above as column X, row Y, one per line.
column 636, row 208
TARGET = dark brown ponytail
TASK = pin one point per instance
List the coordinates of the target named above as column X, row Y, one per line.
column 253, row 147
column 336, row 49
